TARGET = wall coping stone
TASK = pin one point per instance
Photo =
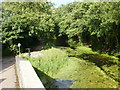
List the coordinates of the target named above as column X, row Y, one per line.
column 26, row 74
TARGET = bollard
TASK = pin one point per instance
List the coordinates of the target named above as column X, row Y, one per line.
column 28, row 51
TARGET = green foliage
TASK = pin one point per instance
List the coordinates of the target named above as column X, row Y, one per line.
column 50, row 61
column 85, row 74
column 84, row 50
column 91, row 23
column 79, row 23
column 69, row 51
column 55, row 64
column 112, row 71
column 23, row 22
column 109, row 64
column 49, row 45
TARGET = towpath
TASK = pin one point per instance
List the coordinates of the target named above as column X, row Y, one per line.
column 8, row 76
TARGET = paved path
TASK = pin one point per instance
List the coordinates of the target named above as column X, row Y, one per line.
column 8, row 77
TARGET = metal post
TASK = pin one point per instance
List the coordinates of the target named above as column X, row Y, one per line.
column 28, row 51
column 19, row 50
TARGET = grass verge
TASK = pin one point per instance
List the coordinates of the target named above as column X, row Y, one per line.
column 79, row 65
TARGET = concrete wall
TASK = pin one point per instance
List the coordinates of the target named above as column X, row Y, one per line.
column 26, row 75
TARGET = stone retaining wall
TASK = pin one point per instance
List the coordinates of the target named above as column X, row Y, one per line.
column 26, row 74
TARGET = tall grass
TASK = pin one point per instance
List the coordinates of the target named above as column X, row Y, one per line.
column 74, row 64
column 85, row 74
column 50, row 61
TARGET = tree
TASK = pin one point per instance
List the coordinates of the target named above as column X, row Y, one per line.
column 94, row 23
column 26, row 22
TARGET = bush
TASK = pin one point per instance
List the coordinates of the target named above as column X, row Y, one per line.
column 48, row 45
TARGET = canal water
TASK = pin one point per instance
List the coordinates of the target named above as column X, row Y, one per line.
column 62, row 83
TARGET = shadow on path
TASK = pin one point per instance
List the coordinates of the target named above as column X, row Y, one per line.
column 9, row 76
column 7, row 62
column 1, row 80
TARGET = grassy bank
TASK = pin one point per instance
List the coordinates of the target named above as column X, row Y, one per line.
column 87, row 69
column 109, row 64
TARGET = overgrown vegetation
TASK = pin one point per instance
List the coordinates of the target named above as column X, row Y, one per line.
column 78, row 23
column 92, row 24
column 109, row 64
column 64, row 64
column 75, row 25
column 25, row 23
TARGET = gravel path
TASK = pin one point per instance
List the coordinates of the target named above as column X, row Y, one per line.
column 33, row 54
column 8, row 77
